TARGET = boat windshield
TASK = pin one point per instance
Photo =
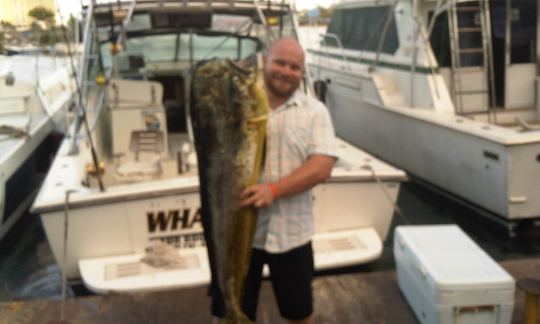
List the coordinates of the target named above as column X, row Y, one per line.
column 183, row 47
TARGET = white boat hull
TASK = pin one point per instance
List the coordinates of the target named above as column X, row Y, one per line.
column 401, row 106
column 35, row 108
column 149, row 190
column 447, row 151
column 130, row 225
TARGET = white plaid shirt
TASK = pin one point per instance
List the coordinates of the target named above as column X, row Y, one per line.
column 296, row 130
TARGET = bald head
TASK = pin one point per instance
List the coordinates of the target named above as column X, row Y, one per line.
column 283, row 69
column 288, row 45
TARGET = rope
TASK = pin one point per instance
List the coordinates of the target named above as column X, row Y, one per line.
column 64, row 256
column 404, row 219
column 161, row 255
column 13, row 132
column 83, row 109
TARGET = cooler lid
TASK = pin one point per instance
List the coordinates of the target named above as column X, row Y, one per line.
column 452, row 259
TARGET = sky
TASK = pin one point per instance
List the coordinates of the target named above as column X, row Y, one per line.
column 308, row 4
column 68, row 7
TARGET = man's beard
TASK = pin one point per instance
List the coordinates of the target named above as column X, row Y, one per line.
column 279, row 92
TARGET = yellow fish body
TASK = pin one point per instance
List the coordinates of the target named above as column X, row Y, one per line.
column 229, row 113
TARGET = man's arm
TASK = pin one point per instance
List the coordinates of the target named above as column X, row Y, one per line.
column 316, row 169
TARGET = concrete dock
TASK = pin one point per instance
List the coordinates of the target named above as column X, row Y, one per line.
column 372, row 297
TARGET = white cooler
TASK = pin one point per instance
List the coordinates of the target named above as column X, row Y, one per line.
column 447, row 278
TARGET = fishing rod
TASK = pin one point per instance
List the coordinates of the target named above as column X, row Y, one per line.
column 81, row 107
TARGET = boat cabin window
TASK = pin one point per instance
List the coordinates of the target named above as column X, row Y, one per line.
column 440, row 37
column 523, row 31
column 183, row 47
column 361, row 28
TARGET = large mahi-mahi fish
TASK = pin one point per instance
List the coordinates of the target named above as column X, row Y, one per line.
column 229, row 113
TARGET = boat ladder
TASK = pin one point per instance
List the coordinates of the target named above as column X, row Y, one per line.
column 471, row 53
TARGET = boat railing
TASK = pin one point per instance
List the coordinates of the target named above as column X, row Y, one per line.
column 120, row 14
column 82, row 75
column 263, row 12
column 270, row 5
column 450, row 8
column 432, row 63
column 89, row 38
column 339, row 45
column 83, row 63
column 389, row 19
column 262, row 9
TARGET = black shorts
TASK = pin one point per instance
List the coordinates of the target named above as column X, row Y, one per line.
column 291, row 276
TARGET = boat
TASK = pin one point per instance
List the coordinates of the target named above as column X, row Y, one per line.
column 125, row 180
column 23, row 50
column 446, row 90
column 34, row 96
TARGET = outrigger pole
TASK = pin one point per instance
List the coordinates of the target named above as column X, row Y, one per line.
column 81, row 105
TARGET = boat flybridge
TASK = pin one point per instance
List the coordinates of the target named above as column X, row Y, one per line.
column 110, row 196
column 35, row 94
column 446, row 90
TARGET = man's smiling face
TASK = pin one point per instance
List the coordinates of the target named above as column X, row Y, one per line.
column 284, row 68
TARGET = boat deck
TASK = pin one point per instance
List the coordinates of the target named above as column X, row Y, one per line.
column 352, row 161
column 11, row 141
column 169, row 164
column 29, row 68
column 348, row 298
column 16, row 119
column 516, row 119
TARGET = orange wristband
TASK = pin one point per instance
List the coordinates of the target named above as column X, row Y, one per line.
column 273, row 189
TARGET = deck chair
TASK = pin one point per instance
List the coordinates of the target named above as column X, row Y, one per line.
column 146, row 147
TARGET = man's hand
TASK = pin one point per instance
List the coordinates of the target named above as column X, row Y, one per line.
column 259, row 195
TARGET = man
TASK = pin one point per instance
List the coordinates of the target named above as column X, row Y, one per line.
column 300, row 154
